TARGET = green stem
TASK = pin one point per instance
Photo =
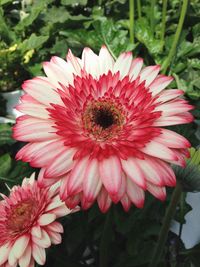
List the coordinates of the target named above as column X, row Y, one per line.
column 166, row 225
column 139, row 9
column 152, row 19
column 131, row 19
column 176, row 37
column 105, row 241
column 164, row 12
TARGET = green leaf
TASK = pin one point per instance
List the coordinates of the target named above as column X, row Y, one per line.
column 6, row 134
column 36, row 9
column 5, row 165
column 145, row 36
column 74, row 2
column 5, row 31
column 33, row 42
column 56, row 15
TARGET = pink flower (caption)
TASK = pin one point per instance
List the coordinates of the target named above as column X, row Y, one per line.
column 96, row 124
column 28, row 223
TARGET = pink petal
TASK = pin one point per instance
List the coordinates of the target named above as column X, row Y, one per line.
column 20, row 245
column 159, row 84
column 4, row 252
column 134, row 172
column 135, row 68
column 135, row 193
column 39, row 254
column 110, row 173
column 46, row 219
column 61, row 164
column 76, row 176
column 105, row 60
column 148, row 74
column 158, row 150
column 104, row 201
column 92, row 182
column 156, row 191
column 123, row 64
column 25, row 259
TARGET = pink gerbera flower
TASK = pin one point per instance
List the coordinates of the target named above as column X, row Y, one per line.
column 96, row 124
column 27, row 223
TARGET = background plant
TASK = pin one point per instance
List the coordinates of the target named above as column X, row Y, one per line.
column 32, row 31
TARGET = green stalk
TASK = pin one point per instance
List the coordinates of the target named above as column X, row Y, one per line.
column 176, row 37
column 164, row 12
column 139, row 9
column 105, row 241
column 166, row 225
column 152, row 19
column 131, row 19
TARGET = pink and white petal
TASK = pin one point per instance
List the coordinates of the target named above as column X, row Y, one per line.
column 173, row 108
column 61, row 164
column 92, row 182
column 126, row 203
column 12, row 260
column 168, row 95
column 123, row 64
column 111, row 175
column 148, row 74
column 135, row 193
column 150, row 171
column 61, row 211
column 55, row 237
column 157, row 191
column 44, row 241
column 158, row 150
column 160, row 83
column 56, row 75
column 73, row 201
column 26, row 153
column 135, row 68
column 35, row 132
column 172, row 139
column 76, row 176
column 134, row 172
column 47, row 153
column 4, row 252
column 20, row 245
column 183, row 118
column 55, row 227
column 35, row 109
column 42, row 90
column 36, row 231
column 74, row 62
column 106, row 61
column 39, row 254
column 25, row 259
column 65, row 67
column 42, row 182
column 47, row 218
column 104, row 201
column 91, row 62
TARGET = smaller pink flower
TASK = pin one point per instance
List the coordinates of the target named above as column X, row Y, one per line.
column 28, row 223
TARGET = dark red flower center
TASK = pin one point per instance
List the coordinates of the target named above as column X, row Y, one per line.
column 21, row 215
column 103, row 119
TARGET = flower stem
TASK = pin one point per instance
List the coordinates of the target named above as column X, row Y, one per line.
column 139, row 9
column 164, row 12
column 105, row 241
column 176, row 37
column 166, row 225
column 131, row 19
column 152, row 21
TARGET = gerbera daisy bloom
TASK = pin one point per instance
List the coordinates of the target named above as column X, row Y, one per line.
column 28, row 223
column 97, row 125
